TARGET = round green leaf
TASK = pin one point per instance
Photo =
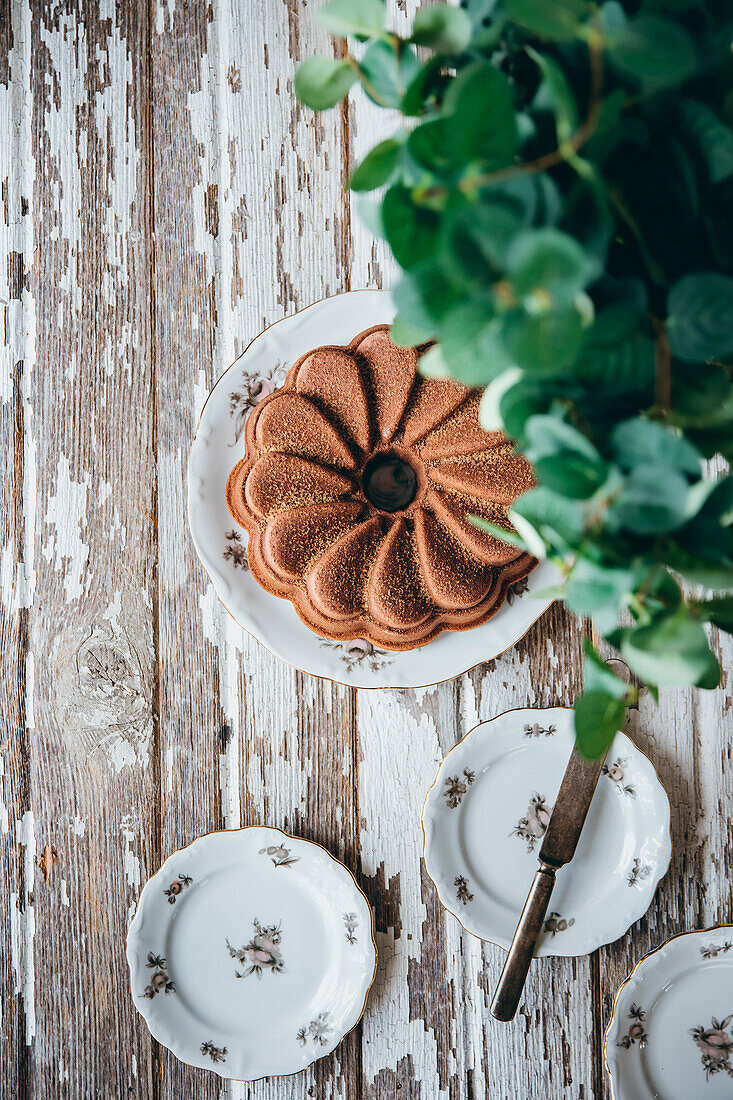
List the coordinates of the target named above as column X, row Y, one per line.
column 468, row 339
column 700, row 322
column 598, row 718
column 483, row 122
column 638, row 442
column 543, row 342
column 441, row 28
column 712, row 139
column 320, row 82
column 411, row 230
column 653, row 50
column 571, row 475
column 673, row 650
column 653, row 501
column 377, row 166
column 362, row 18
column 429, row 143
column 388, row 72
column 559, row 19
column 548, row 259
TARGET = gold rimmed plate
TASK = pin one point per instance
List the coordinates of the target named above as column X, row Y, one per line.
column 251, row 953
column 486, row 815
column 222, row 545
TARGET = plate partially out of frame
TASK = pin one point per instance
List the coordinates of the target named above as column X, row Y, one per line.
column 222, row 545
column 671, row 1033
column 251, row 953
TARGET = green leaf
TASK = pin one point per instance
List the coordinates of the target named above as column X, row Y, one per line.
column 572, row 475
column 617, row 353
column 653, row 50
column 638, row 442
column 599, row 592
column 549, row 435
column 500, row 533
column 712, row 139
column 718, row 611
column 559, row 20
column 425, row 86
column 553, row 517
column 441, row 28
column 483, row 123
column 599, row 676
column 598, row 718
column 362, row 18
column 543, row 342
column 700, row 322
column 430, row 145
column 652, row 501
column 320, row 82
column 673, row 650
column 470, row 344
column 433, row 365
column 387, row 72
column 549, row 260
column 554, row 94
column 411, row 230
column 377, row 166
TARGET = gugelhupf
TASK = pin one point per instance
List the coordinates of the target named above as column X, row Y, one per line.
column 355, row 488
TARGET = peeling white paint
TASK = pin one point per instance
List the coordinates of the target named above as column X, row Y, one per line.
column 130, row 862
column 78, row 827
column 67, row 513
column 23, row 925
column 63, row 892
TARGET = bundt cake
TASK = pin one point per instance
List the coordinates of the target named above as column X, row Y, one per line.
column 355, row 487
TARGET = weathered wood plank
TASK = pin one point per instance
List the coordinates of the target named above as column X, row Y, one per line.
column 17, row 914
column 249, row 226
column 83, row 567
column 688, row 736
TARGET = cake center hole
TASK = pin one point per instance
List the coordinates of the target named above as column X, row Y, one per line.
column 390, row 483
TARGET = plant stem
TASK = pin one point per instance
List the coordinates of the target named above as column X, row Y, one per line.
column 566, row 150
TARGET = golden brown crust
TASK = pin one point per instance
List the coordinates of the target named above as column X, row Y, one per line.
column 351, row 569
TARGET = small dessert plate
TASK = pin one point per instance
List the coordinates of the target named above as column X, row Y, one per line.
column 251, row 953
column 222, row 545
column 486, row 814
column 671, row 1032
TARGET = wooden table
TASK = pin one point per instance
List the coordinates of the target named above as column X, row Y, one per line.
column 163, row 198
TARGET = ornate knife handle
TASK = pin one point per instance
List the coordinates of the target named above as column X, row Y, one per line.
column 521, row 952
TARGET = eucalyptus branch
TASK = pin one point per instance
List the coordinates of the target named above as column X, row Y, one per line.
column 548, row 293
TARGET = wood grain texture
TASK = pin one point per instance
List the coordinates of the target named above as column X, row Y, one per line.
column 162, row 198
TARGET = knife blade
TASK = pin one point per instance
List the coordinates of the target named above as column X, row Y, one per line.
column 558, row 848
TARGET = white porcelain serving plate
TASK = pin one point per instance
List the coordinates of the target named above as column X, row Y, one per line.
column 486, row 814
column 671, row 1033
column 251, row 953
column 222, row 545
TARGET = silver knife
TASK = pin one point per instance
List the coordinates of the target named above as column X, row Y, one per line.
column 558, row 848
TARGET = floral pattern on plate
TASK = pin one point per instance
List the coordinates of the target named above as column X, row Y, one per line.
column 456, row 786
column 358, row 652
column 261, row 953
column 160, row 979
column 177, row 887
column 684, row 1029
column 617, row 772
column 217, row 1054
column 317, row 1031
column 482, row 842
column 279, row 854
column 259, row 903
column 533, row 826
column 715, row 1044
column 274, row 622
column 635, row 1032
